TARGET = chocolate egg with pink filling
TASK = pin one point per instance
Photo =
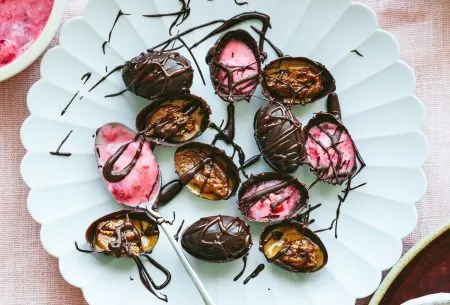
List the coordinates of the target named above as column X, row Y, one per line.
column 127, row 165
column 330, row 150
column 297, row 80
column 272, row 197
column 235, row 66
column 175, row 121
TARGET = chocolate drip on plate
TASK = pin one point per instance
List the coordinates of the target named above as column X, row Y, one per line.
column 237, row 277
column 255, row 273
column 57, row 152
column 177, row 235
column 86, row 77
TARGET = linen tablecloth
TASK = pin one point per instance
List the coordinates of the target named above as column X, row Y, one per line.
column 29, row 276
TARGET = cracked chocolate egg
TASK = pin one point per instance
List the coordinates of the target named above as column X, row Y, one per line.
column 272, row 197
column 279, row 137
column 235, row 66
column 297, row 80
column 207, row 171
column 331, row 152
column 175, row 121
column 293, row 247
column 123, row 233
column 157, row 75
column 217, row 239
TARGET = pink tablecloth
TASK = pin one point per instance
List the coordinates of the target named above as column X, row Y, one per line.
column 30, row 276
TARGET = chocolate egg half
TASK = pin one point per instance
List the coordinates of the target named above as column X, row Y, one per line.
column 123, row 233
column 297, row 80
column 272, row 197
column 330, row 149
column 235, row 66
column 217, row 239
column 175, row 121
column 279, row 137
column 156, row 75
column 293, row 247
column 207, row 171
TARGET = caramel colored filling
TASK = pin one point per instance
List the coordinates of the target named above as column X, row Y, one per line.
column 294, row 83
column 169, row 121
column 289, row 246
column 211, row 181
column 132, row 237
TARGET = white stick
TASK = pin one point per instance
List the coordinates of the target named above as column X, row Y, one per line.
column 175, row 245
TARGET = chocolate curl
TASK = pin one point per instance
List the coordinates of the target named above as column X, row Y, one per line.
column 333, row 106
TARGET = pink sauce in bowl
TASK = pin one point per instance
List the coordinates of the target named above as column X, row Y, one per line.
column 21, row 23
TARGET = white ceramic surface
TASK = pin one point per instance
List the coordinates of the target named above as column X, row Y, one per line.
column 38, row 47
column 379, row 108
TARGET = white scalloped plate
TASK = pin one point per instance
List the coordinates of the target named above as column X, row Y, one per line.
column 379, row 108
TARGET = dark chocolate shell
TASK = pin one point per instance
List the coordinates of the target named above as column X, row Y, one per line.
column 279, row 137
column 175, row 121
column 123, row 233
column 217, row 239
column 293, row 247
column 235, row 66
column 272, row 197
column 331, row 153
column 207, row 171
column 297, row 80
column 158, row 75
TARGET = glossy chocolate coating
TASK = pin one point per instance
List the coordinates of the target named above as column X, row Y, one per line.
column 293, row 247
column 297, row 80
column 279, row 137
column 274, row 194
column 175, row 121
column 227, row 87
column 207, row 171
column 157, row 75
column 341, row 167
column 123, row 233
column 217, row 239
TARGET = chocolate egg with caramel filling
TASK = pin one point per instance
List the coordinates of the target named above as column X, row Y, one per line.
column 293, row 247
column 297, row 80
column 235, row 66
column 331, row 152
column 207, row 171
column 272, row 197
column 175, row 121
column 217, row 239
column 157, row 75
column 279, row 137
column 123, row 233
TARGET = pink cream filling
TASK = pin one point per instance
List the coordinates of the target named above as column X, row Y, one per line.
column 237, row 54
column 141, row 185
column 261, row 210
column 21, row 23
column 322, row 159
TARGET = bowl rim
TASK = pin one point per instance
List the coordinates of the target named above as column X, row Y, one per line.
column 39, row 46
column 405, row 260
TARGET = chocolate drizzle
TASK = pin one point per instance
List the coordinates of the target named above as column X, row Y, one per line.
column 119, row 14
column 237, row 277
column 181, row 15
column 255, row 273
column 63, row 112
column 217, row 239
column 57, row 152
column 271, row 44
column 177, row 235
column 279, row 137
column 357, row 53
column 86, row 77
column 108, row 168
